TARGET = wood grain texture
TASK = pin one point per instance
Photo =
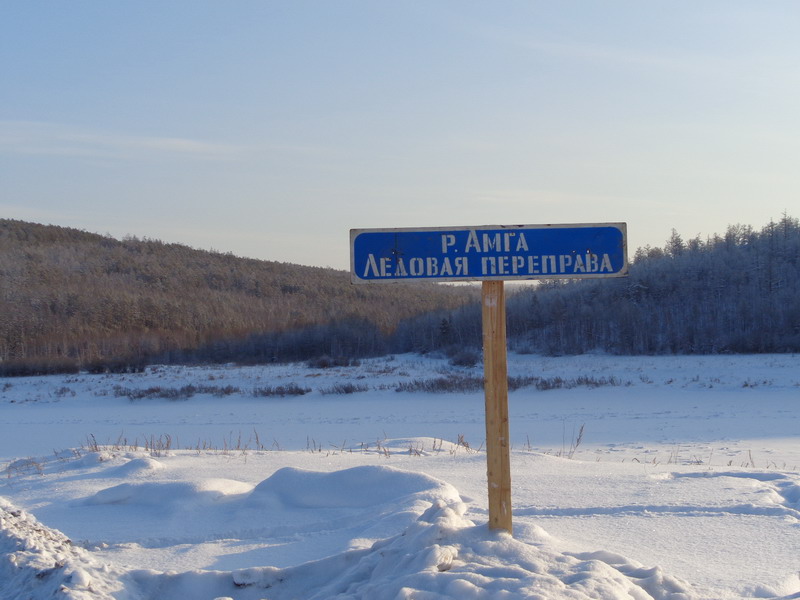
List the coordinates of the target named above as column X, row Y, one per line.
column 498, row 464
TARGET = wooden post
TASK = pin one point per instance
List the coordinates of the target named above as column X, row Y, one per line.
column 495, row 370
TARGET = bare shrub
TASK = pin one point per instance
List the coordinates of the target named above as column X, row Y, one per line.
column 345, row 388
column 327, row 362
column 517, row 382
column 37, row 366
column 291, row 389
column 24, row 466
column 553, row 383
column 182, row 393
column 466, row 357
column 440, row 385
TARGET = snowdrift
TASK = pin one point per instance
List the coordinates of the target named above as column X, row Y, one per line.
column 685, row 485
column 440, row 555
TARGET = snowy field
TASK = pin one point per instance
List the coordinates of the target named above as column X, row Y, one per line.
column 632, row 477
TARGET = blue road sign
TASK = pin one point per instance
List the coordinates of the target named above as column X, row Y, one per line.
column 490, row 252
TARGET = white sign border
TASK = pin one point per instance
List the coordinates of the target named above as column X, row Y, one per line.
column 623, row 272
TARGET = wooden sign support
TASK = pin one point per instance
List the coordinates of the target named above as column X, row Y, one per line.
column 491, row 254
column 495, row 370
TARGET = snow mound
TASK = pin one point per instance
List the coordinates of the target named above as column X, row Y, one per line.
column 162, row 494
column 39, row 562
column 357, row 487
column 138, row 467
column 442, row 556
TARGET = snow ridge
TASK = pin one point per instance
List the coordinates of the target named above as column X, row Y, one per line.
column 40, row 562
column 442, row 556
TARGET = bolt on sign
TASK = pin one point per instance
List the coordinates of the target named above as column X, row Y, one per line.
column 491, row 254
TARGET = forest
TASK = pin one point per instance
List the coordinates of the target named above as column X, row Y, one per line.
column 74, row 300
column 732, row 293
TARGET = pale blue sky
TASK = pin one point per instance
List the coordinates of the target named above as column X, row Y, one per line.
column 269, row 129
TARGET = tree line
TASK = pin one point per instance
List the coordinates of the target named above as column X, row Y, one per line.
column 732, row 293
column 74, row 300
column 70, row 299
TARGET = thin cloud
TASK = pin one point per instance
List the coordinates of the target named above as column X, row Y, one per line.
column 49, row 139
column 675, row 60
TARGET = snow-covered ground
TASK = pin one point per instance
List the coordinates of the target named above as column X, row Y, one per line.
column 632, row 477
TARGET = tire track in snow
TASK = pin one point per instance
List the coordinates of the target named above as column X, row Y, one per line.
column 645, row 509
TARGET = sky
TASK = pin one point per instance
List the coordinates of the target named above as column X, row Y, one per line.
column 270, row 129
